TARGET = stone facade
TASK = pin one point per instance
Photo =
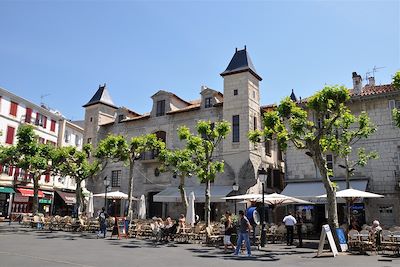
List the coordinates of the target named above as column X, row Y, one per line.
column 241, row 96
column 383, row 173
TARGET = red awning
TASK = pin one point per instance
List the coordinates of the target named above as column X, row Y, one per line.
column 29, row 192
column 69, row 198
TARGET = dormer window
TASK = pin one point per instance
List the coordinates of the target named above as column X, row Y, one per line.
column 160, row 108
column 121, row 117
column 208, row 102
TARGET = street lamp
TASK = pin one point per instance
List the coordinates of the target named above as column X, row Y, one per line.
column 106, row 185
column 263, row 176
column 235, row 188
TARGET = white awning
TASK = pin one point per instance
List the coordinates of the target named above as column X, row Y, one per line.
column 172, row 194
column 309, row 190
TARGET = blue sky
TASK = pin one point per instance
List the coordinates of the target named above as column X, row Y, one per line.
column 65, row 49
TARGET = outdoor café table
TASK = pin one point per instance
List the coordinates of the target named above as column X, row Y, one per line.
column 396, row 239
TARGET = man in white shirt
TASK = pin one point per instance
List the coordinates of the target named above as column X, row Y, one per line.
column 289, row 222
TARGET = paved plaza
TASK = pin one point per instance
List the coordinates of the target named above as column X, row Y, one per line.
column 26, row 247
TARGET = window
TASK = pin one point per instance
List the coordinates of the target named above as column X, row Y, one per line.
column 13, row 109
column 41, row 120
column 10, row 135
column 121, row 117
column 392, row 105
column 254, row 123
column 268, row 147
column 329, row 161
column 89, row 140
column 66, row 137
column 116, row 178
column 41, row 140
column 254, row 94
column 77, row 140
column 91, row 119
column 235, row 127
column 208, row 103
column 28, row 115
column 53, row 126
column 160, row 108
column 235, row 92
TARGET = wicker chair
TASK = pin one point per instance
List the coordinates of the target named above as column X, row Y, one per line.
column 354, row 241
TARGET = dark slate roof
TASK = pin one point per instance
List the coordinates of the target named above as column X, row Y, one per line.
column 293, row 96
column 241, row 62
column 101, row 96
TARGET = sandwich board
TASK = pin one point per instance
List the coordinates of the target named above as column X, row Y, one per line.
column 326, row 232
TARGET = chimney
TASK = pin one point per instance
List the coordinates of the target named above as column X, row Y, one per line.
column 371, row 81
column 357, row 83
column 202, row 88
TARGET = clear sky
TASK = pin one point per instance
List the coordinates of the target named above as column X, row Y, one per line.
column 65, row 49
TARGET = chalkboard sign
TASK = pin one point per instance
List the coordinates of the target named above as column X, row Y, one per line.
column 342, row 239
column 120, row 227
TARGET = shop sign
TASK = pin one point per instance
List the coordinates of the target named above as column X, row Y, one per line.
column 45, row 201
column 19, row 198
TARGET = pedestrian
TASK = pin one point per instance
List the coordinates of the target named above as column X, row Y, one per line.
column 228, row 231
column 299, row 226
column 244, row 229
column 103, row 222
column 289, row 222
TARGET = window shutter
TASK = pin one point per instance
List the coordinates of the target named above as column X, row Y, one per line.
column 53, row 126
column 16, row 174
column 10, row 135
column 47, row 177
column 13, row 108
column 44, row 122
column 28, row 115
column 10, row 171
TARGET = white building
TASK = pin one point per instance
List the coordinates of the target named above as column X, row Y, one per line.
column 15, row 186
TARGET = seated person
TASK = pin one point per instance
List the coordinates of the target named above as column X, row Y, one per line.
column 169, row 228
column 375, row 227
column 182, row 221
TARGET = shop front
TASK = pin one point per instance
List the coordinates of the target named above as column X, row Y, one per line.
column 64, row 203
column 23, row 200
column 5, row 200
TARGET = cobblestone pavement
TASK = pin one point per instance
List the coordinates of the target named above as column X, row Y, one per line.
column 27, row 247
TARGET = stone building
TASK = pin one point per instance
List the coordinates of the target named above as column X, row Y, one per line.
column 239, row 104
column 380, row 176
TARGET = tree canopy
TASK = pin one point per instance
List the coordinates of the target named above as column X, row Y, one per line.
column 202, row 147
column 313, row 126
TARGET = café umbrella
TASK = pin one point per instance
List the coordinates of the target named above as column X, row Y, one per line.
column 351, row 195
column 114, row 195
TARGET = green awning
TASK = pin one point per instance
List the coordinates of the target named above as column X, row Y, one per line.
column 45, row 201
column 7, row 190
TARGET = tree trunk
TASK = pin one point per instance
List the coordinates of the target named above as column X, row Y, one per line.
column 35, row 204
column 183, row 192
column 78, row 196
column 348, row 202
column 207, row 207
column 130, row 190
column 330, row 190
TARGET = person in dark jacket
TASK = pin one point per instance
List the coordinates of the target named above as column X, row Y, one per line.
column 299, row 225
column 103, row 222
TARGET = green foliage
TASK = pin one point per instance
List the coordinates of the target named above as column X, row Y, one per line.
column 322, row 123
column 30, row 155
column 396, row 116
column 396, row 80
column 201, row 149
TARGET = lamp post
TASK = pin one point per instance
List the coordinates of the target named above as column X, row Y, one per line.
column 106, row 185
column 262, row 175
column 235, row 188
